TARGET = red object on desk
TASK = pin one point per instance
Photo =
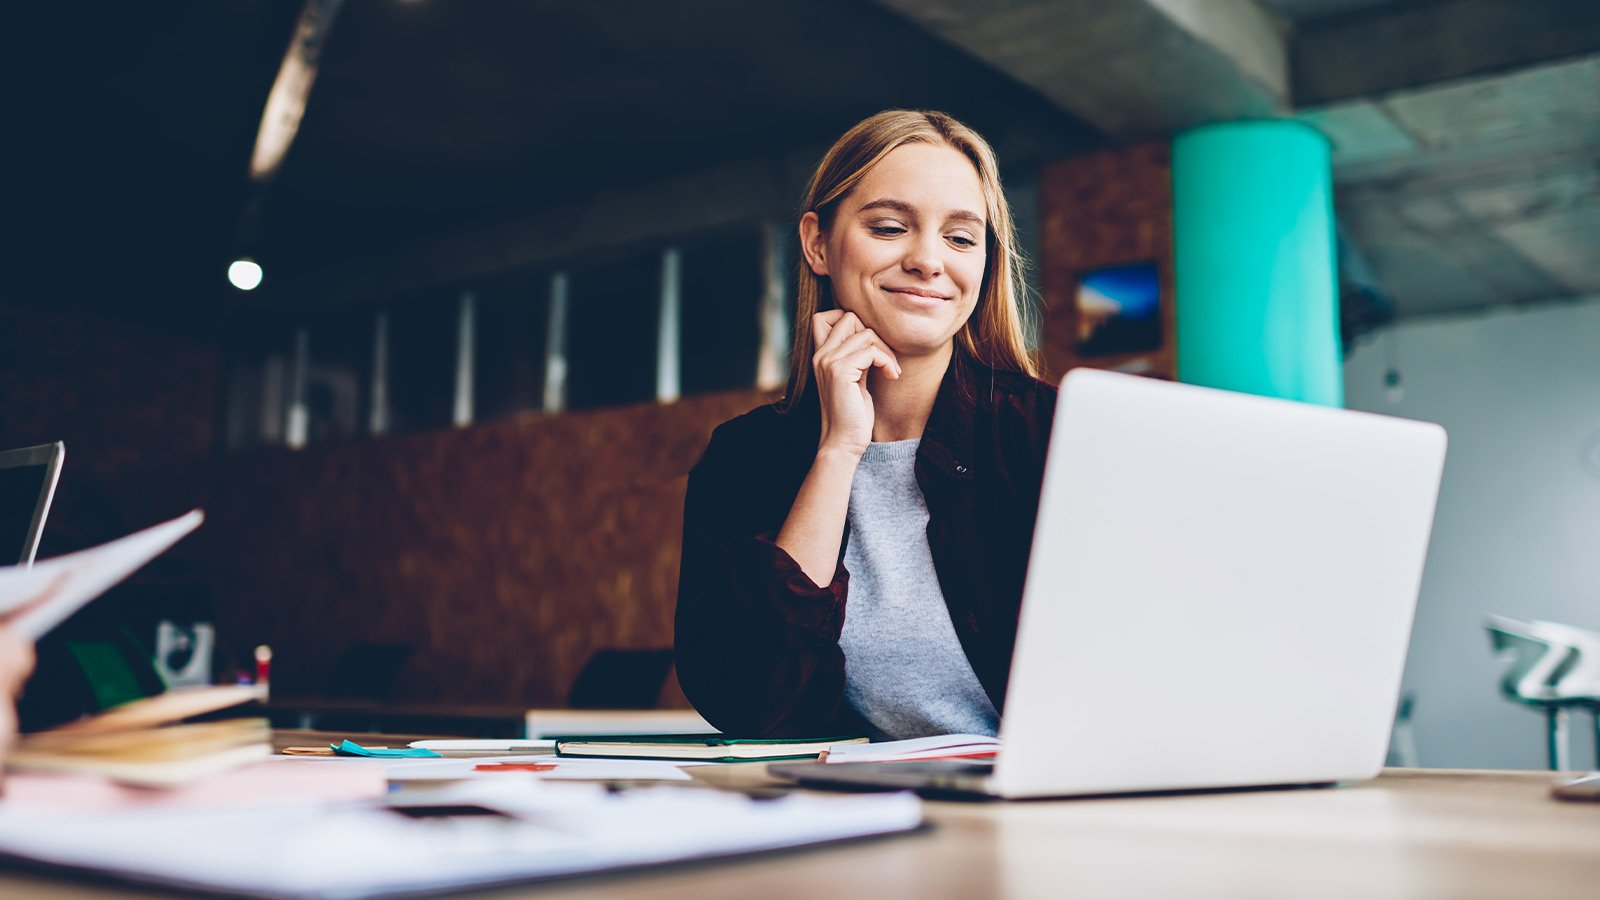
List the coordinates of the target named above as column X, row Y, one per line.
column 263, row 664
column 514, row 767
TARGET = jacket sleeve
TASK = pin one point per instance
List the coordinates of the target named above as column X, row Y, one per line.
column 757, row 640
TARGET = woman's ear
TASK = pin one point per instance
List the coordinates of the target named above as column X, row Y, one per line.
column 813, row 243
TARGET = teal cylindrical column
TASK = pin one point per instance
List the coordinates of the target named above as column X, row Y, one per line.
column 1257, row 295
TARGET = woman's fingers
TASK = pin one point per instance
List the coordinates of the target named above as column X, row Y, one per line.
column 848, row 345
column 852, row 367
column 845, row 325
column 822, row 325
column 883, row 359
column 852, row 345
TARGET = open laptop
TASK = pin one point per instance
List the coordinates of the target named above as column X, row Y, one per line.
column 27, row 485
column 1220, row 595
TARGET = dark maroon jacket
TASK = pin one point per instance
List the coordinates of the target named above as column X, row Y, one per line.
column 758, row 641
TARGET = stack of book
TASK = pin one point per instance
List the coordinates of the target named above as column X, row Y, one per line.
column 148, row 742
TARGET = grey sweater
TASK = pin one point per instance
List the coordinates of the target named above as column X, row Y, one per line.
column 905, row 671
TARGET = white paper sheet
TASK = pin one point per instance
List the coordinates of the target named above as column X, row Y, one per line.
column 565, row 769
column 56, row 588
column 482, row 745
column 349, row 851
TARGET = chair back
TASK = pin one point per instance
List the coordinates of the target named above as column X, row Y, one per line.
column 1582, row 670
column 1538, row 662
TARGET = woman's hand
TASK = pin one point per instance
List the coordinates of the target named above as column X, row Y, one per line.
column 16, row 664
column 846, row 351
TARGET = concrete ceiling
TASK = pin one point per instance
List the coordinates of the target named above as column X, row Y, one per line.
column 1466, row 132
column 1476, row 192
column 1466, row 138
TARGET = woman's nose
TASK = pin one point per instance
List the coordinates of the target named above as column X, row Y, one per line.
column 922, row 257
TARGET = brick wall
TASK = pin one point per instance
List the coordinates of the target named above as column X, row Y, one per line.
column 504, row 553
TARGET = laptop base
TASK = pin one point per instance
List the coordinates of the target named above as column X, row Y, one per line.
column 959, row 780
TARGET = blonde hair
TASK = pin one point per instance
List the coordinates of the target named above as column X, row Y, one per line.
column 996, row 334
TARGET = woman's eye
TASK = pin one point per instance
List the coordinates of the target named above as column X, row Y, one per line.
column 889, row 230
column 962, row 240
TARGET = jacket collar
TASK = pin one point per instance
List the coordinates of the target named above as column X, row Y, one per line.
column 947, row 438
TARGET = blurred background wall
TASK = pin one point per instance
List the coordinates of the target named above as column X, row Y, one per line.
column 1519, row 392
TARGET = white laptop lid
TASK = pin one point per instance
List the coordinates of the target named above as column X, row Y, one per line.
column 27, row 485
column 1220, row 593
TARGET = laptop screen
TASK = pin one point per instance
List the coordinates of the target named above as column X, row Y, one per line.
column 27, row 483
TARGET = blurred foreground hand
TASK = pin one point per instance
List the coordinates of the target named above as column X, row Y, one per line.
column 16, row 664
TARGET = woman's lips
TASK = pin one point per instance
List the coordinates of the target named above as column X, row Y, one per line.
column 917, row 295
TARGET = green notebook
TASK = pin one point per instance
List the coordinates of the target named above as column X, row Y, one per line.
column 697, row 747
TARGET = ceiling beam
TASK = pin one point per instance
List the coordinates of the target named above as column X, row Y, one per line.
column 1411, row 46
column 286, row 103
column 1132, row 68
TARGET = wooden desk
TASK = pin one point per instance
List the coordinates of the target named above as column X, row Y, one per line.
column 1412, row 833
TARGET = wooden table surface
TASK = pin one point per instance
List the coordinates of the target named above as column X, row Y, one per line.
column 1411, row 833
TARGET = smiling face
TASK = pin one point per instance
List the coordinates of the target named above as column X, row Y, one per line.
column 907, row 247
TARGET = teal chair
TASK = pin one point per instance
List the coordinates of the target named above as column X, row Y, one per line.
column 1553, row 668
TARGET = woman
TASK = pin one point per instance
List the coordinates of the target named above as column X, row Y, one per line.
column 898, row 479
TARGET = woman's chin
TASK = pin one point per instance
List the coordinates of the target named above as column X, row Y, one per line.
column 910, row 335
column 912, row 344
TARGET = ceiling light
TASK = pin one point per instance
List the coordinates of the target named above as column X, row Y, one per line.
column 244, row 273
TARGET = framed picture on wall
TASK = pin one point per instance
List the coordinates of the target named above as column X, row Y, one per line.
column 1118, row 311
